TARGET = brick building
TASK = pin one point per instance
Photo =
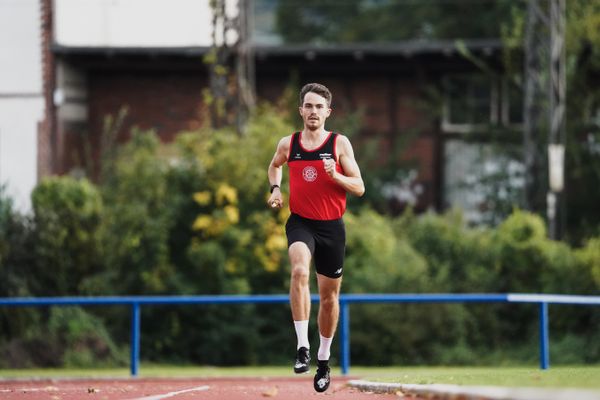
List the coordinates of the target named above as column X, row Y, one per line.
column 161, row 85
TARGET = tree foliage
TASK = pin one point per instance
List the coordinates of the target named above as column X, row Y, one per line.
column 67, row 244
column 333, row 21
column 582, row 63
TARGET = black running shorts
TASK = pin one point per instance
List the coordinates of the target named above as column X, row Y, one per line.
column 326, row 241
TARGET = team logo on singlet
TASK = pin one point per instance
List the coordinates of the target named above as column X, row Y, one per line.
column 309, row 173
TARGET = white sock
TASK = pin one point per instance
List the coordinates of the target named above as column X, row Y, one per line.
column 302, row 334
column 324, row 348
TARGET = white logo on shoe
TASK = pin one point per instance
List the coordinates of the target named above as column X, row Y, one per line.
column 322, row 382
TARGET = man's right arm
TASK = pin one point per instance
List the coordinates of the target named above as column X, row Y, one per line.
column 275, row 173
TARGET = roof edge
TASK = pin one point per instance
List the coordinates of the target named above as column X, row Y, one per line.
column 407, row 48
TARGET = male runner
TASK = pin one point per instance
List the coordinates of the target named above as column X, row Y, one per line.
column 322, row 169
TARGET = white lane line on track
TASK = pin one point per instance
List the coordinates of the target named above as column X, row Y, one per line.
column 171, row 394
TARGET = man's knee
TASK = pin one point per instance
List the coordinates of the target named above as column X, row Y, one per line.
column 300, row 273
column 329, row 300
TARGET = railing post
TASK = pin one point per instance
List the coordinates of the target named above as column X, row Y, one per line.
column 135, row 338
column 344, row 337
column 544, row 337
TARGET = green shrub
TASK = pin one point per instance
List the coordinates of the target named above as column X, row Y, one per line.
column 6, row 219
column 458, row 256
column 16, row 276
column 136, row 221
column 67, row 241
column 16, row 257
column 381, row 259
column 190, row 218
column 379, row 262
column 66, row 336
column 520, row 242
column 589, row 256
column 82, row 339
column 527, row 261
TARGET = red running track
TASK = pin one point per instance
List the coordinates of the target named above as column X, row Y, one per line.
column 294, row 388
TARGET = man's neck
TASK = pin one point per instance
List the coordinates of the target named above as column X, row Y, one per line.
column 314, row 134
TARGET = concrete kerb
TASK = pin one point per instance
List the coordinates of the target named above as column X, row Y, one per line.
column 454, row 392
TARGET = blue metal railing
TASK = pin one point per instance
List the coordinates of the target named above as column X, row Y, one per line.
column 543, row 300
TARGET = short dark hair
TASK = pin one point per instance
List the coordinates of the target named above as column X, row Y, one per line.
column 317, row 88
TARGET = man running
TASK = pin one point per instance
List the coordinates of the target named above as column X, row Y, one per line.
column 322, row 169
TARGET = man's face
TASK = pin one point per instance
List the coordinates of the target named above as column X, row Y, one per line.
column 314, row 111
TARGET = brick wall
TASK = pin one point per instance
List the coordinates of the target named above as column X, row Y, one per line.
column 167, row 102
column 171, row 101
column 163, row 101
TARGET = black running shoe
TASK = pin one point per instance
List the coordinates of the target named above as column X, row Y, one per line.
column 302, row 364
column 322, row 379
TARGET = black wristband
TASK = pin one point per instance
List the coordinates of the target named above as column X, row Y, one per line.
column 273, row 187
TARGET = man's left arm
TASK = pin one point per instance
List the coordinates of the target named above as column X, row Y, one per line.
column 350, row 180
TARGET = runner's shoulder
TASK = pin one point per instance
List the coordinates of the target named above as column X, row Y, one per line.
column 284, row 143
column 343, row 144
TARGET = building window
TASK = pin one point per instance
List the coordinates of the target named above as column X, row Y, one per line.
column 475, row 102
column 482, row 179
column 468, row 103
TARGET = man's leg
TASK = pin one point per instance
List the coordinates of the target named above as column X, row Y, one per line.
column 300, row 301
column 329, row 310
column 329, row 307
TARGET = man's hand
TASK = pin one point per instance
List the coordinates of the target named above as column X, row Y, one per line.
column 276, row 199
column 329, row 164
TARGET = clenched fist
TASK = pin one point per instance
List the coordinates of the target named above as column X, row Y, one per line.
column 329, row 164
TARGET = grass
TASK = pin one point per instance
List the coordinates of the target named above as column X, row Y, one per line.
column 560, row 376
column 145, row 371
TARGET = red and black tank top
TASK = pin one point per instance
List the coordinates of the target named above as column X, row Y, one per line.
column 313, row 194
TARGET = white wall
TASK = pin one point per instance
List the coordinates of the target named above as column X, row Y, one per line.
column 134, row 23
column 20, row 54
column 18, row 147
column 21, row 99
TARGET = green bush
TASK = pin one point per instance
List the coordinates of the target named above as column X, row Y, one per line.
column 589, row 256
column 69, row 337
column 136, row 222
column 458, row 256
column 190, row 218
column 520, row 245
column 67, row 244
column 6, row 220
column 17, row 274
column 82, row 339
column 227, row 241
column 382, row 259
column 528, row 261
column 16, row 257
column 379, row 262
